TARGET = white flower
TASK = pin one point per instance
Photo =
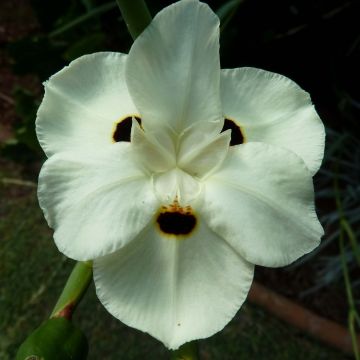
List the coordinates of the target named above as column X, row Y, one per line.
column 175, row 218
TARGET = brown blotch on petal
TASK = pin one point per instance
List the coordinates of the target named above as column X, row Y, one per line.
column 122, row 130
column 176, row 220
column 237, row 136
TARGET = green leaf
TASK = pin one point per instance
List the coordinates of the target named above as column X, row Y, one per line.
column 36, row 55
column 88, row 4
column 26, row 108
column 55, row 339
column 25, row 104
column 87, row 45
column 49, row 12
column 227, row 11
column 82, row 18
column 188, row 351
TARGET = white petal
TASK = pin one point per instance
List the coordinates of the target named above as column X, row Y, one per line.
column 155, row 151
column 96, row 204
column 176, row 184
column 200, row 154
column 273, row 109
column 174, row 75
column 262, row 203
column 176, row 290
column 199, row 133
column 83, row 102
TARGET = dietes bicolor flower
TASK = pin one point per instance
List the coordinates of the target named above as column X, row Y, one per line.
column 176, row 177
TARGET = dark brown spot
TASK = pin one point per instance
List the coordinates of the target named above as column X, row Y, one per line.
column 176, row 223
column 122, row 130
column 237, row 136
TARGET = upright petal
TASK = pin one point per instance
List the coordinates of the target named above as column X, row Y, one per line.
column 177, row 290
column 176, row 184
column 200, row 155
column 173, row 72
column 95, row 203
column 262, row 202
column 154, row 151
column 82, row 104
column 273, row 109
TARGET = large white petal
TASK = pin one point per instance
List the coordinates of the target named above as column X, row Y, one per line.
column 273, row 109
column 177, row 290
column 95, row 203
column 174, row 75
column 83, row 102
column 262, row 202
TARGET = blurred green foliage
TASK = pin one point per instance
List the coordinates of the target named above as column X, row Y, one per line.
column 23, row 146
column 68, row 29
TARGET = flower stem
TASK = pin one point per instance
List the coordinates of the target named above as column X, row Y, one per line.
column 74, row 290
column 135, row 14
column 188, row 351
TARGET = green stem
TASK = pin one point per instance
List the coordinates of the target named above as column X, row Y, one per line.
column 135, row 14
column 354, row 340
column 352, row 238
column 352, row 310
column 188, row 351
column 74, row 290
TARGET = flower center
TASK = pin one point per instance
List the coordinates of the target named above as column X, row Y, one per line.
column 177, row 187
column 122, row 129
column 237, row 136
column 175, row 220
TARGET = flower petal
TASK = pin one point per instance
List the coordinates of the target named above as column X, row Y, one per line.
column 174, row 76
column 262, row 202
column 201, row 158
column 273, row 109
column 83, row 102
column 96, row 204
column 170, row 287
column 176, row 184
column 154, row 151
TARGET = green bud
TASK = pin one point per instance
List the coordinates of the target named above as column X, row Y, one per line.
column 55, row 339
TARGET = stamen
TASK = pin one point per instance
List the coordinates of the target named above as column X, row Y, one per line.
column 237, row 136
column 122, row 131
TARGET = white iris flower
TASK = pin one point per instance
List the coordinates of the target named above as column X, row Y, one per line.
column 175, row 177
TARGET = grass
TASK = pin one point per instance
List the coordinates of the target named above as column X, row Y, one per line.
column 32, row 273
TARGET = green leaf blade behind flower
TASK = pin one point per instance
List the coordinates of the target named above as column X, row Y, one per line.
column 227, row 11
